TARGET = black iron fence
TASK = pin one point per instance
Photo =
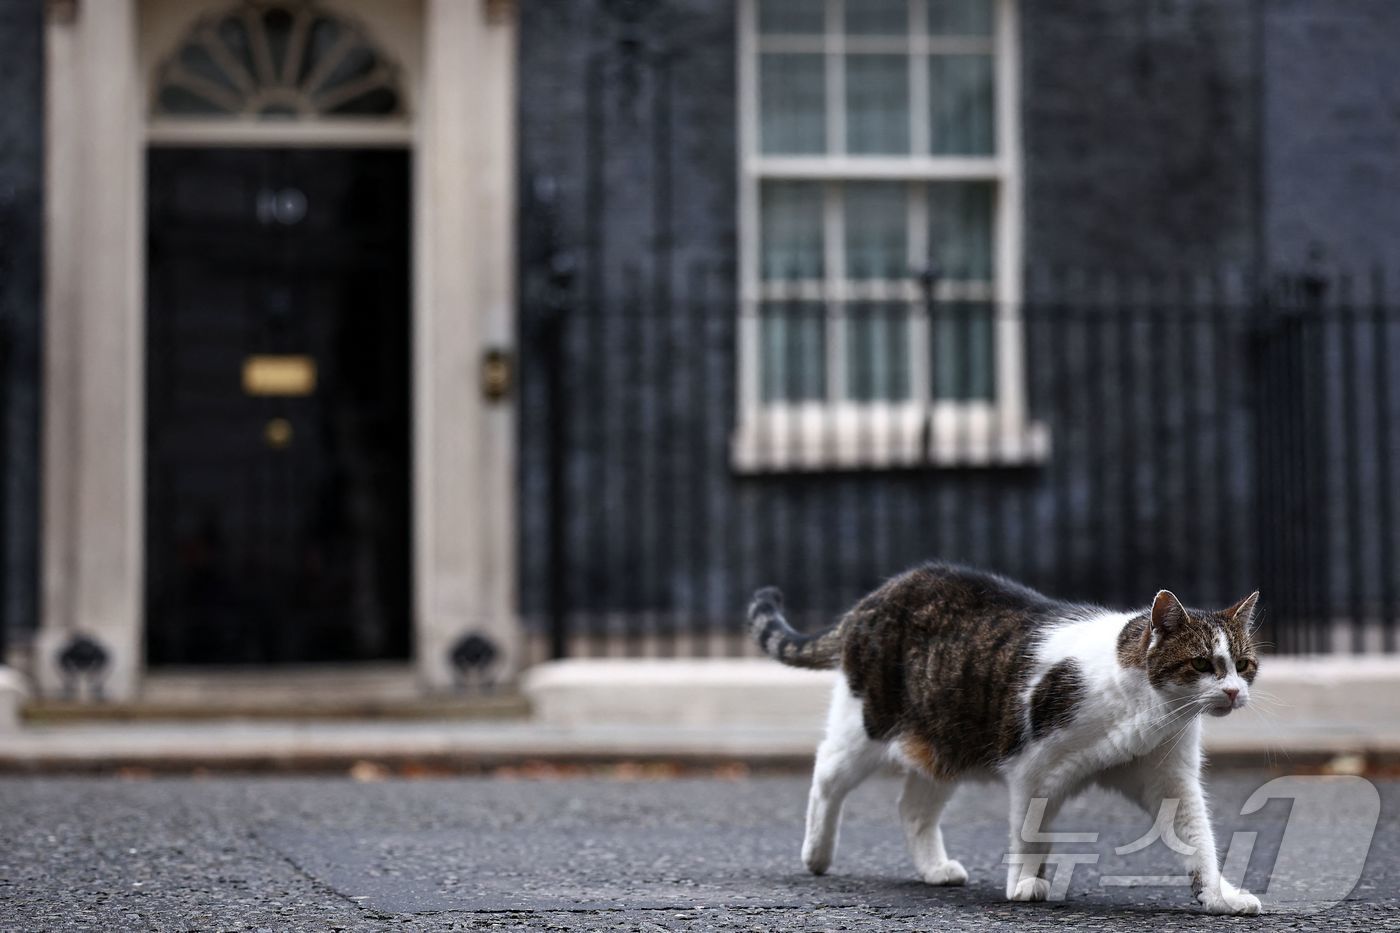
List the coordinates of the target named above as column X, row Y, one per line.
column 1100, row 439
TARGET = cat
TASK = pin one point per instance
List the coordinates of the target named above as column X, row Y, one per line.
column 955, row 673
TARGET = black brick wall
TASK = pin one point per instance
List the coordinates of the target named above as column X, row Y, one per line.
column 1138, row 126
column 1333, row 132
column 628, row 171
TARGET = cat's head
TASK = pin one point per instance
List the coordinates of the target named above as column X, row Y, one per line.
column 1205, row 657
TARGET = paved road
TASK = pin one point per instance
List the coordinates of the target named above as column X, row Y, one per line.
column 333, row 854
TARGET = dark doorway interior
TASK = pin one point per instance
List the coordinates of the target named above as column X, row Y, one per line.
column 277, row 480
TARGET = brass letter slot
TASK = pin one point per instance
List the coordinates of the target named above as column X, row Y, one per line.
column 279, row 375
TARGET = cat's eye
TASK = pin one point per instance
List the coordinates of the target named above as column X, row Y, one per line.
column 1201, row 664
column 1242, row 665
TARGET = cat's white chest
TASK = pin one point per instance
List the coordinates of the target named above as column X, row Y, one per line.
column 1143, row 726
column 1137, row 736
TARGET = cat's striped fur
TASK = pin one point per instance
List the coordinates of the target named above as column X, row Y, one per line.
column 953, row 672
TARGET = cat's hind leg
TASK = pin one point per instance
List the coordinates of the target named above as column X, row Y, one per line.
column 846, row 757
column 920, row 806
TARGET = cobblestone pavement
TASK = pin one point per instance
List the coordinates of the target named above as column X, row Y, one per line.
column 323, row 854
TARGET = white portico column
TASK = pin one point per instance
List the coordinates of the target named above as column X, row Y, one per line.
column 464, row 446
column 93, row 433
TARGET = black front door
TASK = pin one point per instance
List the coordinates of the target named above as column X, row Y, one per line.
column 277, row 356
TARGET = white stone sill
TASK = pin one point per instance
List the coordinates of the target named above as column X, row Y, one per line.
column 814, row 437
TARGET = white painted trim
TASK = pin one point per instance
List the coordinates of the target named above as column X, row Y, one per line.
column 920, row 330
column 835, row 77
column 464, row 448
column 327, row 133
column 881, row 45
column 875, row 168
column 818, row 436
column 94, row 433
column 918, row 79
column 960, row 433
column 99, row 70
column 834, row 262
column 396, row 27
column 875, row 289
column 1010, row 223
column 62, row 301
column 747, row 376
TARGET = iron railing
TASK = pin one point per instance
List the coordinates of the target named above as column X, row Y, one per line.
column 1104, row 438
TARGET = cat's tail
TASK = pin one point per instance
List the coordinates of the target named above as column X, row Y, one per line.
column 782, row 642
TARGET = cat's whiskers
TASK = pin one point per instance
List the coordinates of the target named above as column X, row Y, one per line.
column 1271, row 747
column 1170, row 714
column 1167, row 702
column 1176, row 739
column 1164, row 721
column 1268, row 697
column 1272, row 720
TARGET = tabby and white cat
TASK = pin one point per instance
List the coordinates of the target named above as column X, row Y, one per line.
column 954, row 673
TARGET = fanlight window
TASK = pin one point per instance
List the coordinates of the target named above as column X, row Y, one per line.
column 270, row 59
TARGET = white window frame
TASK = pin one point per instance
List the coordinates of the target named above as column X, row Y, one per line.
column 837, row 433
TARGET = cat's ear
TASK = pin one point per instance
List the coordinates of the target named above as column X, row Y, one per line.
column 1243, row 611
column 1168, row 614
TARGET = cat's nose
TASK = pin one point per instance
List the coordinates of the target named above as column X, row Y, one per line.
column 1232, row 692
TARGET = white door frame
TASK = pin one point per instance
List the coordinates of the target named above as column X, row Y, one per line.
column 464, row 551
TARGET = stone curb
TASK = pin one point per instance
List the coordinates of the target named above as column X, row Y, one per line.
column 312, row 747
column 449, row 745
column 689, row 714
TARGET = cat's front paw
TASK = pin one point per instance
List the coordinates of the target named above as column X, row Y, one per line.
column 1230, row 901
column 1030, row 889
column 949, row 873
column 816, row 857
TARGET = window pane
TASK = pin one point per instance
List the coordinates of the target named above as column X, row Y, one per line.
column 793, row 340
column 961, row 104
column 791, row 225
column 960, row 219
column 877, row 230
column 792, row 103
column 962, row 353
column 877, row 104
column 792, row 17
column 960, row 17
column 877, row 351
column 877, row 17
